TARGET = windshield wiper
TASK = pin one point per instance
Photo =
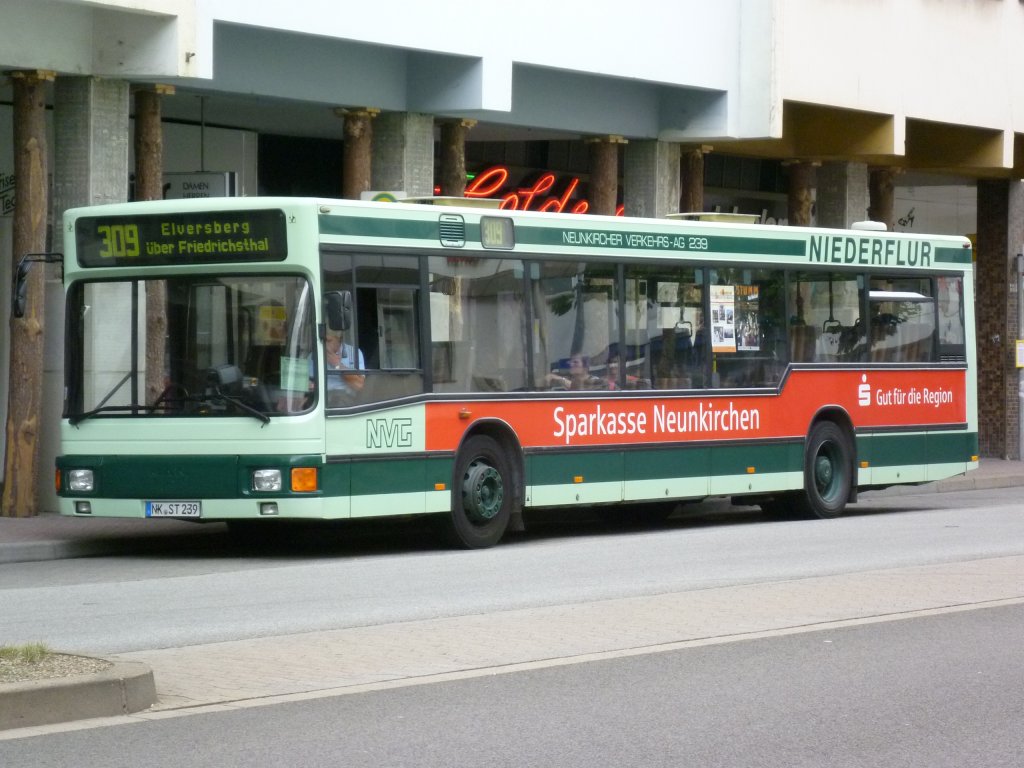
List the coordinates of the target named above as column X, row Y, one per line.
column 145, row 410
column 216, row 394
column 76, row 418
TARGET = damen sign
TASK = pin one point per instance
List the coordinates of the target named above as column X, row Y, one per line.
column 543, row 195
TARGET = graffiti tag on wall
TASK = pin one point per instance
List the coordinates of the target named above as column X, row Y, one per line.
column 6, row 193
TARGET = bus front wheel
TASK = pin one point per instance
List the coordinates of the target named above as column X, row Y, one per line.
column 482, row 494
column 828, row 471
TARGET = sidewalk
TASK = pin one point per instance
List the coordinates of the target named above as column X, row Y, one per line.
column 270, row 670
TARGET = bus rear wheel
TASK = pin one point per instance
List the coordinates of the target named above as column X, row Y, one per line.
column 482, row 494
column 828, row 471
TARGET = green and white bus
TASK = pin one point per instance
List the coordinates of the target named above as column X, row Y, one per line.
column 494, row 362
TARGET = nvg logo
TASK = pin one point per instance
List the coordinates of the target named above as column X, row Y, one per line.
column 864, row 391
column 389, row 433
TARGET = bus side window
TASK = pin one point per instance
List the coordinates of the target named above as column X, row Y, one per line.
column 903, row 322
column 747, row 316
column 386, row 325
column 664, row 327
column 824, row 322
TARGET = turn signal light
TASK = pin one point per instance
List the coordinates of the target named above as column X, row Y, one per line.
column 304, row 479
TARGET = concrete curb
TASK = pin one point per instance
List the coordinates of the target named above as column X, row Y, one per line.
column 69, row 548
column 36, row 551
column 951, row 485
column 123, row 688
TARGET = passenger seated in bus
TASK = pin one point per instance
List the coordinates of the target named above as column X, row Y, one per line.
column 612, row 376
column 579, row 374
column 573, row 374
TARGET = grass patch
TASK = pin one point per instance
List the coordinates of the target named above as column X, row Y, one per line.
column 30, row 653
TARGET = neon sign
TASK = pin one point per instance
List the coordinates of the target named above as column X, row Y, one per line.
column 493, row 182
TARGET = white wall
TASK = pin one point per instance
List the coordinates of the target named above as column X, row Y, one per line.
column 954, row 62
column 687, row 42
column 948, row 209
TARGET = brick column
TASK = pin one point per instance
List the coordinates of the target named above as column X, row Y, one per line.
column 1000, row 239
column 691, row 178
column 604, row 174
column 881, row 190
column 453, row 156
column 25, row 407
column 800, row 193
column 651, row 180
column 149, row 185
column 356, row 153
column 403, row 153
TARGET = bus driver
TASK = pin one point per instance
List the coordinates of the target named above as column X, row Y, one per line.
column 340, row 356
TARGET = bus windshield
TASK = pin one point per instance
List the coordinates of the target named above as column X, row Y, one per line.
column 241, row 346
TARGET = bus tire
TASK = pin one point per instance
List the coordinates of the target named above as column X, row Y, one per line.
column 482, row 494
column 828, row 471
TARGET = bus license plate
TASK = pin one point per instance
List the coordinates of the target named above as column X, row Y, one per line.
column 174, row 509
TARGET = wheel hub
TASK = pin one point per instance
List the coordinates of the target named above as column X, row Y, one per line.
column 824, row 472
column 482, row 492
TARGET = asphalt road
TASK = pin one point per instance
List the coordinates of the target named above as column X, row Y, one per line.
column 939, row 691
column 323, row 580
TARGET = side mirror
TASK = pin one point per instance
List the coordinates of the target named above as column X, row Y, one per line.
column 20, row 298
column 338, row 310
column 20, row 289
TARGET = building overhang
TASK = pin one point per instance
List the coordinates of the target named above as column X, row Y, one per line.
column 816, row 133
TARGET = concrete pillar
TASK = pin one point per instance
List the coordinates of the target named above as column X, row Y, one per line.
column 91, row 138
column 651, row 179
column 842, row 194
column 604, row 174
column 453, row 157
column 403, row 153
column 25, row 407
column 800, row 193
column 357, row 151
column 1000, row 239
column 881, row 193
column 691, row 178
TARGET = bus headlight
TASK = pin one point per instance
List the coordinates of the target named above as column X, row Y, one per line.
column 81, row 481
column 266, row 480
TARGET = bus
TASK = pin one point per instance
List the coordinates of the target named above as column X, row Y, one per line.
column 497, row 362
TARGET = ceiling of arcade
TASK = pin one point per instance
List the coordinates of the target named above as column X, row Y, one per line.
column 813, row 133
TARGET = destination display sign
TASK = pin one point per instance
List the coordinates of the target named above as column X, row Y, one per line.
column 181, row 238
